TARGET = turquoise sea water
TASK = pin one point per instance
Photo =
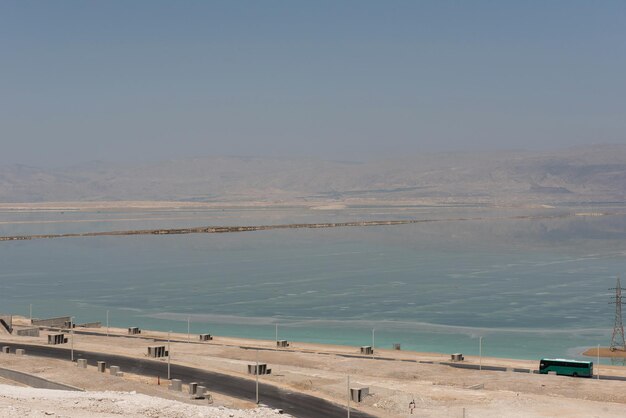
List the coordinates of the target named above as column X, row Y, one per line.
column 530, row 287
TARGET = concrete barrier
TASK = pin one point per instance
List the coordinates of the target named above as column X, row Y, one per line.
column 102, row 366
column 27, row 332
column 20, row 352
column 81, row 363
column 6, row 349
column 90, row 325
column 58, row 322
column 176, row 384
column 34, row 381
column 114, row 370
column 193, row 387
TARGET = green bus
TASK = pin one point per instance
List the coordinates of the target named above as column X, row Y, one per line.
column 566, row 367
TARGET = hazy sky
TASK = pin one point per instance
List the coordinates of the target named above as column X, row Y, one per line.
column 145, row 80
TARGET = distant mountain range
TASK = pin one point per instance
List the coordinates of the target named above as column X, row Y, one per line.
column 595, row 173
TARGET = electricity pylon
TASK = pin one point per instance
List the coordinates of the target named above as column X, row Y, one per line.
column 617, row 340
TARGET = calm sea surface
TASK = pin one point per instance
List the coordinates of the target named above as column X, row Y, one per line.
column 529, row 287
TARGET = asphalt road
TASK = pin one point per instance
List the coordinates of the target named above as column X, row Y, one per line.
column 294, row 403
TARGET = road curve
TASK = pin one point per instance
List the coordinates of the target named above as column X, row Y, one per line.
column 294, row 403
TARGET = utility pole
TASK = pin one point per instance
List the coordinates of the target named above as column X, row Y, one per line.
column 168, row 355
column 617, row 339
column 30, row 313
column 188, row 328
column 277, row 332
column 107, row 322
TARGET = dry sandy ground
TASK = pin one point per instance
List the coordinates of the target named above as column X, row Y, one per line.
column 438, row 390
column 28, row 402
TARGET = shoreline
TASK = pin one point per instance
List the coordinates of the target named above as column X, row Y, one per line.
column 504, row 386
column 604, row 352
column 325, row 348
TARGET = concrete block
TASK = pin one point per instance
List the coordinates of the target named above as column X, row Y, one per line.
column 81, row 363
column 200, row 392
column 262, row 369
column 282, row 344
column 102, row 366
column 54, row 339
column 157, row 351
column 205, row 337
column 457, row 357
column 176, row 384
column 114, row 370
column 6, row 349
column 133, row 331
column 366, row 349
column 357, row 394
column 209, row 398
column 20, row 352
column 120, row 374
column 193, row 388
column 396, row 346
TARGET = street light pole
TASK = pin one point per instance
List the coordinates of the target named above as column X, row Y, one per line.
column 188, row 328
column 107, row 322
column 277, row 332
column 257, row 376
column 72, row 336
column 598, row 365
column 480, row 353
column 373, row 343
column 349, row 396
column 168, row 355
